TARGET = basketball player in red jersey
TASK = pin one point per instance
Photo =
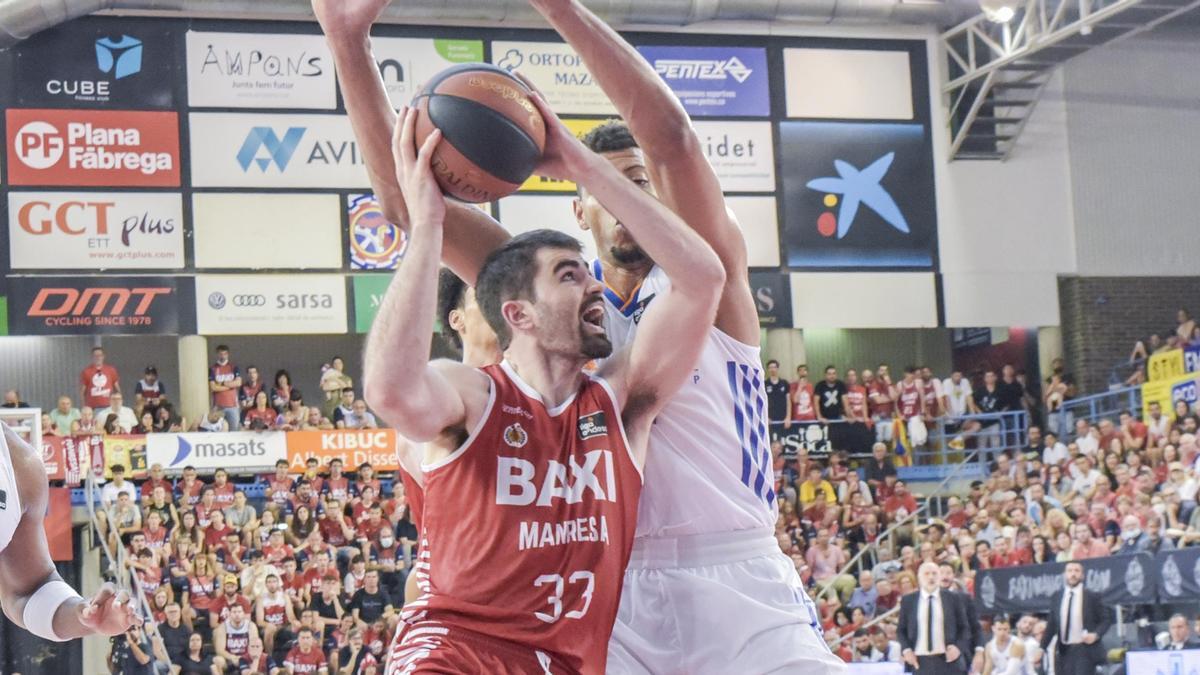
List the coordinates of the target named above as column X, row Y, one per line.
column 532, row 467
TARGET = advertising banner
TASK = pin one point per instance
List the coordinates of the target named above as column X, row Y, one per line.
column 352, row 446
column 1183, row 662
column 1191, row 359
column 544, row 184
column 773, row 295
column 1167, row 392
column 58, row 525
column 721, row 81
column 368, row 295
column 1179, row 574
column 95, row 64
column 235, row 451
column 100, row 305
column 267, row 231
column 95, row 230
column 742, row 154
column 129, row 451
column 558, row 72
column 758, row 216
column 1165, row 365
column 257, row 70
column 857, row 195
column 1121, row 580
column 273, row 304
column 407, row 63
column 283, row 151
column 93, row 147
column 523, row 213
column 375, row 243
column 873, row 84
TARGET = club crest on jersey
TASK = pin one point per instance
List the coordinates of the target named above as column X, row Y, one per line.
column 3, row 500
column 515, row 436
column 641, row 308
column 592, row 425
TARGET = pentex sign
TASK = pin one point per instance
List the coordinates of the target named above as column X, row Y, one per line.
column 352, row 446
column 206, row 451
column 90, row 305
column 93, row 147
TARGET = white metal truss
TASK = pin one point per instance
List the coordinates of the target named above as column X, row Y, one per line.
column 997, row 70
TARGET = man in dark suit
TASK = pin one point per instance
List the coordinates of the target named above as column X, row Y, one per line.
column 948, row 582
column 1180, row 635
column 1078, row 618
column 933, row 630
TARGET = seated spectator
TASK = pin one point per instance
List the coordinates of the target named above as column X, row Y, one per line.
column 355, row 657
column 261, row 416
column 865, row 595
column 88, row 423
column 251, row 385
column 231, row 639
column 336, row 484
column 294, row 415
column 359, row 418
column 256, row 659
column 333, row 381
column 65, row 418
column 306, row 656
column 214, row 422
column 167, row 421
column 126, row 419
column 274, row 611
column 816, row 494
column 344, row 408
column 315, row 421
column 218, row 610
column 242, row 517
column 279, row 488
column 282, row 392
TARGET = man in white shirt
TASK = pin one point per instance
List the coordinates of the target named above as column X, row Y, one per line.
column 108, row 494
column 957, row 391
column 126, row 420
column 1078, row 618
column 1086, row 438
column 359, row 418
column 1056, row 453
column 933, row 631
column 1084, row 478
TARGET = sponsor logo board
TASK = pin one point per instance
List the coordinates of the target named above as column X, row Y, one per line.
column 272, row 304
column 406, row 64
column 256, row 70
column 368, row 295
column 352, row 446
column 267, row 231
column 209, row 452
column 95, row 230
column 522, row 213
column 105, row 305
column 287, row 151
column 722, row 81
column 558, row 72
column 375, row 243
column 742, row 154
column 93, row 147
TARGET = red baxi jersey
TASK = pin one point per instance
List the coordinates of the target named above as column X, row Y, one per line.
column 540, row 565
column 910, row 399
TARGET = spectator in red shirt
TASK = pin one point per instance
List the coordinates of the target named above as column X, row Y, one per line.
column 222, row 489
column 260, row 417
column 802, row 397
column 279, row 488
column 306, row 657
column 155, row 479
column 337, row 484
column 189, row 488
column 901, row 502
column 98, row 381
column 366, row 478
column 1085, row 546
column 230, row 555
column 369, row 529
column 1133, row 433
column 218, row 611
column 217, row 530
column 224, row 380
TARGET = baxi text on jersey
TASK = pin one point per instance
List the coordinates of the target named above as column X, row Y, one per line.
column 520, row 483
column 538, row 534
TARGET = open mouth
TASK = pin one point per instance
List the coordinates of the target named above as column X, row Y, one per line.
column 593, row 316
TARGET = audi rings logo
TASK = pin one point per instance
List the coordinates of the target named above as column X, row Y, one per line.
column 216, row 300
column 249, row 301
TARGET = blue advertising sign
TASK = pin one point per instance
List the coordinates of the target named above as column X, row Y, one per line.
column 1191, row 359
column 858, row 195
column 714, row 81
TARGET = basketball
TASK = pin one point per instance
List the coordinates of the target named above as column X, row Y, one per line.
column 492, row 133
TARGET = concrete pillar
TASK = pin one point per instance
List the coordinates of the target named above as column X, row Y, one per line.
column 1050, row 347
column 193, row 377
column 785, row 345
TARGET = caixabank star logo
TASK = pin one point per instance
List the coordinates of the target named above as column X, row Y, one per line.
column 858, row 195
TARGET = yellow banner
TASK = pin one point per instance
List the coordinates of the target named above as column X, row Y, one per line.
column 129, row 452
column 543, row 184
column 1166, row 392
column 1165, row 365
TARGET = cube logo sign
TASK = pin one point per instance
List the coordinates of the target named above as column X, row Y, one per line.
column 858, row 195
column 90, row 63
column 121, row 57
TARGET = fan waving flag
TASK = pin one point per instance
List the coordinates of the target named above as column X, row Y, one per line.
column 900, row 433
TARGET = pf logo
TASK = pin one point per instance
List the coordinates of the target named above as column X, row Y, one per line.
column 39, row 145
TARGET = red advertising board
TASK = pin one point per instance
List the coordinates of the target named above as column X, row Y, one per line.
column 58, row 525
column 93, row 147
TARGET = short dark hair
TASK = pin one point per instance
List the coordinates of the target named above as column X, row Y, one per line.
column 772, row 362
column 611, row 136
column 222, row 348
column 452, row 295
column 508, row 274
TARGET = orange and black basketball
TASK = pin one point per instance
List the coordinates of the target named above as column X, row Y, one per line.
column 492, row 133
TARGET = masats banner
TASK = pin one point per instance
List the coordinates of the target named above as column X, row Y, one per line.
column 93, row 147
column 283, row 151
column 256, row 70
column 353, row 447
column 270, row 304
column 721, row 81
column 95, row 230
column 407, row 63
column 99, row 305
column 208, row 452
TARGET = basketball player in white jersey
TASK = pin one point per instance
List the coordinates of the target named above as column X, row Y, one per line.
column 32, row 593
column 708, row 590
column 1004, row 654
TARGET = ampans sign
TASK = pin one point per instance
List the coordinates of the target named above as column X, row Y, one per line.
column 81, row 147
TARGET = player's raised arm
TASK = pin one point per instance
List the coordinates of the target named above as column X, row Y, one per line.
column 679, row 324
column 470, row 234
column 679, row 170
column 32, row 593
column 422, row 400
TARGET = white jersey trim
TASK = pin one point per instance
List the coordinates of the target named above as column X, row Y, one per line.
column 532, row 393
column 487, row 413
column 612, row 396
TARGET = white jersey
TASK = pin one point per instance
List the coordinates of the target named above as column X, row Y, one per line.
column 10, row 501
column 708, row 464
column 1004, row 663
